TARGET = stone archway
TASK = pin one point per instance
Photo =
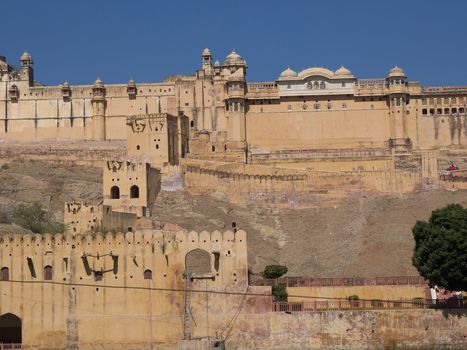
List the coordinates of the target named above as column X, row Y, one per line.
column 198, row 262
column 10, row 329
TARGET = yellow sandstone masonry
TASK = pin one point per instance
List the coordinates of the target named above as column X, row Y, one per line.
column 119, row 289
column 295, row 115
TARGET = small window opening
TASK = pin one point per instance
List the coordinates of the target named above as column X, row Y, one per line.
column 134, row 191
column 98, row 275
column 216, row 261
column 148, row 275
column 48, row 273
column 114, row 192
column 5, row 274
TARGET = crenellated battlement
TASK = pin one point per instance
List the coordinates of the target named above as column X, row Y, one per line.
column 80, row 207
column 127, row 258
column 124, row 166
column 191, row 239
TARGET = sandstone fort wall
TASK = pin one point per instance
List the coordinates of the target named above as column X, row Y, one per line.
column 118, row 290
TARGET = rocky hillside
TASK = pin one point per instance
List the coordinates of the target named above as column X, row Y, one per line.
column 368, row 236
column 51, row 183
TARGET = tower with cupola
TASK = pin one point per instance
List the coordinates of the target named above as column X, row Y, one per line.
column 398, row 99
column 234, row 70
column 26, row 72
column 98, row 111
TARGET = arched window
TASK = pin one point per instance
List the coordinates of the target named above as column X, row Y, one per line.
column 322, row 85
column 148, row 275
column 316, row 85
column 134, row 191
column 114, row 192
column 5, row 274
column 48, row 273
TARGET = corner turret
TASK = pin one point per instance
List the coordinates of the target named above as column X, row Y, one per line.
column 26, row 71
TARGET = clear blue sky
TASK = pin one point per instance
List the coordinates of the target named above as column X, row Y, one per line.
column 148, row 40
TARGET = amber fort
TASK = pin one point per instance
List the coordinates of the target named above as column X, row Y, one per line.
column 313, row 138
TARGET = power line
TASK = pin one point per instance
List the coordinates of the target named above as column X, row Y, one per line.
column 159, row 289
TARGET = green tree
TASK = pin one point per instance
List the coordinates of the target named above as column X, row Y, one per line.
column 440, row 253
column 34, row 217
column 274, row 271
column 279, row 293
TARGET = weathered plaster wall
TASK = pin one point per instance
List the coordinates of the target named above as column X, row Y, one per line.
column 405, row 329
column 124, row 308
column 91, row 153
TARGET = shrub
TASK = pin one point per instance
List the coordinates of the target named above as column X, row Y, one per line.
column 4, row 219
column 279, row 292
column 35, row 218
column 354, row 300
column 274, row 271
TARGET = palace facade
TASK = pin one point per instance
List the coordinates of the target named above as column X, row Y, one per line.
column 316, row 109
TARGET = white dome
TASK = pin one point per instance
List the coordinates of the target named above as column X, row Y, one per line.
column 234, row 59
column 396, row 72
column 26, row 57
column 288, row 73
column 98, row 83
column 206, row 52
column 343, row 72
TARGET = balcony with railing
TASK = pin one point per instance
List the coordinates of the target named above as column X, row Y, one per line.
column 444, row 89
column 236, row 93
column 262, row 86
column 370, row 87
column 374, row 304
column 340, row 281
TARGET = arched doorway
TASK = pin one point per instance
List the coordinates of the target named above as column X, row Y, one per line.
column 198, row 262
column 10, row 329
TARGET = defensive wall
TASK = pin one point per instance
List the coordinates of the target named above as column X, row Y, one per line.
column 121, row 290
column 305, row 289
column 91, row 153
column 295, row 186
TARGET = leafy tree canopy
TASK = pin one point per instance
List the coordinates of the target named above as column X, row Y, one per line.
column 274, row 271
column 440, row 253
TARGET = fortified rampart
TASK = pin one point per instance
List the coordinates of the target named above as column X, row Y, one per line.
column 120, row 290
column 82, row 153
column 296, row 187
